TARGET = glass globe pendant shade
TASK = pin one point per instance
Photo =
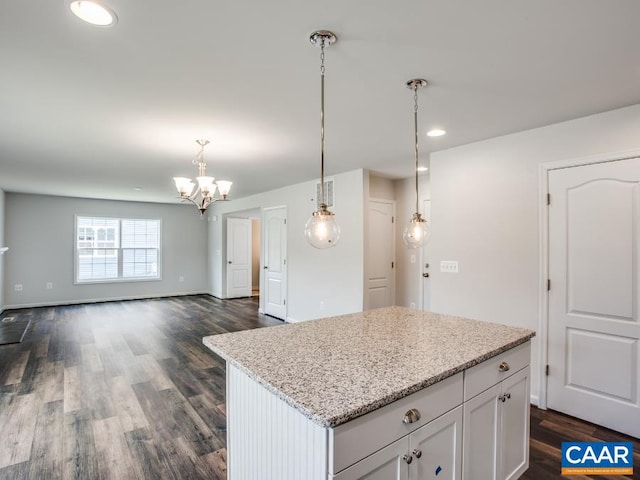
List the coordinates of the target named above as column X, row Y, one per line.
column 417, row 233
column 322, row 230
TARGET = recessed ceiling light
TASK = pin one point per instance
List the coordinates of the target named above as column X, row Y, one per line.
column 94, row 12
column 422, row 169
column 137, row 189
column 436, row 132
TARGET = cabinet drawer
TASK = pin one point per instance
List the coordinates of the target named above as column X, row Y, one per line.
column 486, row 374
column 354, row 440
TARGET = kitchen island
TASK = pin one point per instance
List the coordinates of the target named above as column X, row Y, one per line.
column 382, row 394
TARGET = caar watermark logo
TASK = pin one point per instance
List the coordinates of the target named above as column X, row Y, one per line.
column 597, row 458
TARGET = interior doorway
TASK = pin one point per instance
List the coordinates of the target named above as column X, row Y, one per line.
column 244, row 253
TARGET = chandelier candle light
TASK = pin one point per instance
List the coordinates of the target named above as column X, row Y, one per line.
column 322, row 230
column 417, row 233
column 206, row 187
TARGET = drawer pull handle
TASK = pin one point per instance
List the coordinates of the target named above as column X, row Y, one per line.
column 407, row 458
column 504, row 367
column 417, row 452
column 411, row 416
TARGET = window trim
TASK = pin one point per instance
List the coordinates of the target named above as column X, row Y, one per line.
column 77, row 281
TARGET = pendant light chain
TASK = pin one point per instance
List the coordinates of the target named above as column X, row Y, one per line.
column 415, row 129
column 322, row 41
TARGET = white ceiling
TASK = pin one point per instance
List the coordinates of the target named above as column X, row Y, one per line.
column 95, row 112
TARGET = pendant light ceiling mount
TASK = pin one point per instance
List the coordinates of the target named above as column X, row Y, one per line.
column 417, row 83
column 318, row 37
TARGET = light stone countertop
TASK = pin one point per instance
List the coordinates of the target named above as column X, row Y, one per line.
column 336, row 369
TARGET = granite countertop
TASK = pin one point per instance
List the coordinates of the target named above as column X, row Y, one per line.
column 335, row 369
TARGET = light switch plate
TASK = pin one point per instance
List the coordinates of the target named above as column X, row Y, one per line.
column 449, row 266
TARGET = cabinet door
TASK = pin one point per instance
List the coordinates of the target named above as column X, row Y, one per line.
column 386, row 464
column 514, row 426
column 437, row 448
column 480, row 436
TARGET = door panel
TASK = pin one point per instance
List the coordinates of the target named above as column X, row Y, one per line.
column 238, row 257
column 380, row 273
column 594, row 254
column 275, row 261
column 514, row 426
column 480, row 436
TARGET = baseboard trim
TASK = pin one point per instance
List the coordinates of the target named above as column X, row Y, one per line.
column 59, row 303
column 535, row 400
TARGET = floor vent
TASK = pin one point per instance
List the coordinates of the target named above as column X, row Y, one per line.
column 8, row 319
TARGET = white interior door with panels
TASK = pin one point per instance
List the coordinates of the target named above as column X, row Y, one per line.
column 275, row 262
column 238, row 257
column 594, row 255
column 381, row 254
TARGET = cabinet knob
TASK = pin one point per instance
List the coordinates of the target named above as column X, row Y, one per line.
column 411, row 416
column 407, row 458
column 417, row 453
column 504, row 367
column 505, row 397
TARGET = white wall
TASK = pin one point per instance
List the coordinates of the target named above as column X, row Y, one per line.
column 408, row 275
column 39, row 230
column 333, row 276
column 485, row 215
column 2, row 257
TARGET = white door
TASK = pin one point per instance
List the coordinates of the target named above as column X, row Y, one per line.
column 426, row 264
column 275, row 262
column 437, row 448
column 381, row 255
column 238, row 257
column 386, row 464
column 594, row 358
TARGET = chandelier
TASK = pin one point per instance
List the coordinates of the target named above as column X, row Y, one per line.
column 322, row 230
column 204, row 194
column 417, row 232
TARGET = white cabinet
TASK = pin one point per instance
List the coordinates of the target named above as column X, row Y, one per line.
column 496, row 424
column 432, row 451
column 473, row 425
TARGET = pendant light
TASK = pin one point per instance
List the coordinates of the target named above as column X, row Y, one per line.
column 322, row 230
column 417, row 232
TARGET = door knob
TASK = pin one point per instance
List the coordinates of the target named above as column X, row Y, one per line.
column 407, row 458
column 417, row 453
column 230, row 262
column 266, row 268
column 411, row 416
column 504, row 367
column 425, row 274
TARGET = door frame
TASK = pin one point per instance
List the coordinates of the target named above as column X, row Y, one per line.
column 543, row 215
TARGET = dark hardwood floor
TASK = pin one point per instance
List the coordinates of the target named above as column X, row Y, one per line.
column 126, row 390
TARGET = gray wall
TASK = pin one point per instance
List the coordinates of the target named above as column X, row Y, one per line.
column 39, row 230
column 2, row 257
column 485, row 214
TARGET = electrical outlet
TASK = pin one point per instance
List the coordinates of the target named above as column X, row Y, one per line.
column 449, row 266
column 412, row 305
column 412, row 258
column 321, row 305
column 49, row 286
column 17, row 287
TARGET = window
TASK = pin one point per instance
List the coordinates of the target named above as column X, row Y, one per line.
column 113, row 249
